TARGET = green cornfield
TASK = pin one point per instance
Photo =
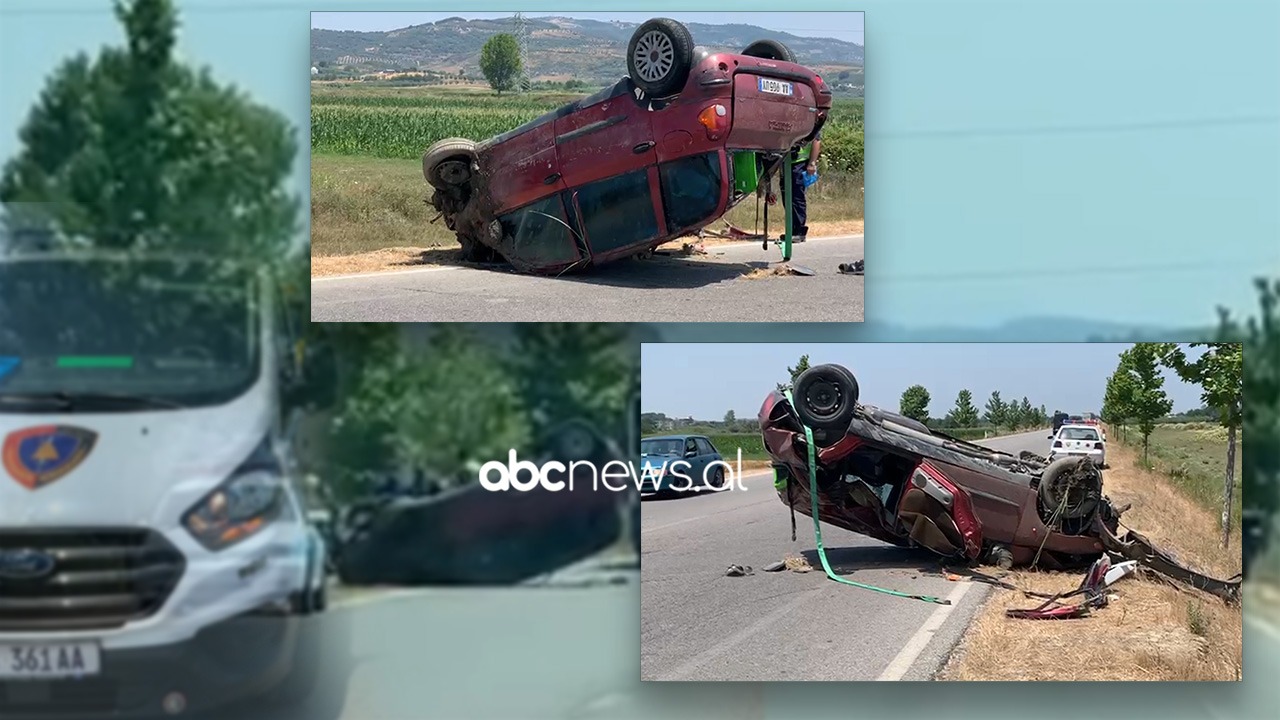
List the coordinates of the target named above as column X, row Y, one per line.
column 403, row 122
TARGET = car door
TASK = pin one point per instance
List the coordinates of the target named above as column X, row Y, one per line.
column 602, row 140
column 697, row 463
column 938, row 514
column 708, row 454
column 608, row 164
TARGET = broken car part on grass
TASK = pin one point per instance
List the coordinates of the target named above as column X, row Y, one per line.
column 889, row 477
column 660, row 154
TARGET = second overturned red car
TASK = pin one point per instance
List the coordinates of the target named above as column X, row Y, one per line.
column 894, row 479
column 662, row 153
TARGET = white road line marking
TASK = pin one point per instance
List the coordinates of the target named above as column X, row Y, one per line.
column 689, row 667
column 920, row 640
column 326, row 278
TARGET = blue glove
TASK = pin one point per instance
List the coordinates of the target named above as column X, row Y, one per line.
column 810, row 179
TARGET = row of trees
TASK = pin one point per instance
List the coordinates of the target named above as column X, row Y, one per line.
column 914, row 403
column 1135, row 393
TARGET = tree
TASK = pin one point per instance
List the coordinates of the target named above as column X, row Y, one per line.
column 1261, row 415
column 1219, row 373
column 1026, row 414
column 996, row 409
column 500, row 62
column 1141, row 363
column 393, row 417
column 133, row 150
column 794, row 372
column 730, row 419
column 582, row 371
column 964, row 414
column 1117, row 401
column 915, row 403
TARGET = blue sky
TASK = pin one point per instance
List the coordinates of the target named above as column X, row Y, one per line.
column 706, row 379
column 841, row 26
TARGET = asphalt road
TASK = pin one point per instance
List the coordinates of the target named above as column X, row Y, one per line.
column 562, row 647
column 699, row 624
column 708, row 288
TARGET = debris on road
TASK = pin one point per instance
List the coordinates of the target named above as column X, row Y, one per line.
column 775, row 566
column 853, row 268
column 798, row 564
column 738, row 571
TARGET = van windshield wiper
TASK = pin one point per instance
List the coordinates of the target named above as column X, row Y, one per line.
column 71, row 401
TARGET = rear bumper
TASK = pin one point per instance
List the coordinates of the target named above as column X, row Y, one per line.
column 232, row 661
column 1099, row 457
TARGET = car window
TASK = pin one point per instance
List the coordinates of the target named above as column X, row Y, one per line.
column 690, row 446
column 618, row 211
column 690, row 190
column 666, row 446
column 1072, row 433
column 539, row 230
column 704, row 447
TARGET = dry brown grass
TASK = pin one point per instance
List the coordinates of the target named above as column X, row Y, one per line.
column 1150, row 630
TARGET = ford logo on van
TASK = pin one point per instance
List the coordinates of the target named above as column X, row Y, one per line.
column 25, row 564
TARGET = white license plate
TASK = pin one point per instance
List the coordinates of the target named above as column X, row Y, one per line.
column 776, row 87
column 44, row 661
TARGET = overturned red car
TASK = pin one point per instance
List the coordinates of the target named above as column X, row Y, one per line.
column 892, row 478
column 660, row 154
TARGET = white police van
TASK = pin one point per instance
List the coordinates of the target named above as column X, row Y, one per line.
column 154, row 554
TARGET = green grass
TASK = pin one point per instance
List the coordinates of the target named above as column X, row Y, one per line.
column 361, row 204
column 1194, row 457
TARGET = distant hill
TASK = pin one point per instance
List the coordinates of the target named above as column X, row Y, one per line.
column 559, row 48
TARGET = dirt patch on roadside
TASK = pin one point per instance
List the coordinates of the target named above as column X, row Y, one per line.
column 396, row 258
column 1150, row 630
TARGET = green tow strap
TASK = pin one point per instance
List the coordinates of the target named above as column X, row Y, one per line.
column 817, row 526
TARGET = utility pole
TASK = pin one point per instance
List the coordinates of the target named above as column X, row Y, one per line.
column 521, row 31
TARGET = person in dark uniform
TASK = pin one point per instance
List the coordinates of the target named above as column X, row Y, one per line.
column 804, row 161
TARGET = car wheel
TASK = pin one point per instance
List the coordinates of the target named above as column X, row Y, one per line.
column 769, row 50
column 826, row 397
column 717, row 478
column 660, row 56
column 447, row 163
column 1079, row 482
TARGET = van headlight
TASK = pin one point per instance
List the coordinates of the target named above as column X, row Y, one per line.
column 237, row 509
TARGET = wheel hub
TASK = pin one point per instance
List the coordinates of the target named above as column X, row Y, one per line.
column 823, row 397
column 654, row 56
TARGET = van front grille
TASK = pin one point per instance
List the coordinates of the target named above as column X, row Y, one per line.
column 83, row 579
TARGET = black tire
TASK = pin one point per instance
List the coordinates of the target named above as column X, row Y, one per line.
column 447, row 163
column 717, row 479
column 769, row 50
column 826, row 397
column 1082, row 500
column 575, row 441
column 665, row 55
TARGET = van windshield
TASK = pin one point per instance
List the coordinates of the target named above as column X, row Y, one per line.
column 109, row 335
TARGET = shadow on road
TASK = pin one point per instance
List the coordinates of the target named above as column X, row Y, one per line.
column 846, row 560
column 657, row 272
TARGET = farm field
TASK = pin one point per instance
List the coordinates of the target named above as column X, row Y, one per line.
column 367, row 191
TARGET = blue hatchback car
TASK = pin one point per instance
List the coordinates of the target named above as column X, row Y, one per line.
column 678, row 463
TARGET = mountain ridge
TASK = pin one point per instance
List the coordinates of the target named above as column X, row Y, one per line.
column 560, row 48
